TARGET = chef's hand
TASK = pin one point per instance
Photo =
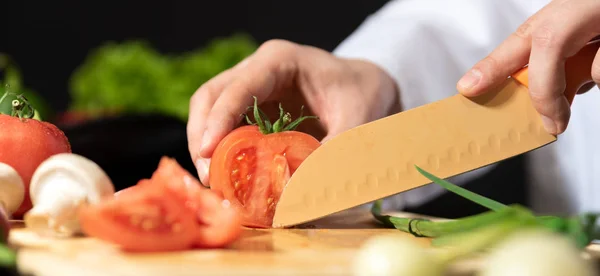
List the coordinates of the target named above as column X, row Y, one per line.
column 545, row 40
column 343, row 93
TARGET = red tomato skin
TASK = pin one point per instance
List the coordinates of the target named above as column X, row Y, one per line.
column 265, row 153
column 111, row 221
column 25, row 145
column 219, row 224
column 202, row 219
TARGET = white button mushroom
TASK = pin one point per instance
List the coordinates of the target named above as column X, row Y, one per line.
column 13, row 189
column 59, row 186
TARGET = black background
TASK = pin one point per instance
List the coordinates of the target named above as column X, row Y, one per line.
column 49, row 39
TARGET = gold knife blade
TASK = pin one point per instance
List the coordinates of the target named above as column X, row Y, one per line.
column 448, row 137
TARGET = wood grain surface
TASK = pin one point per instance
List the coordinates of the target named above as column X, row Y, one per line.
column 324, row 247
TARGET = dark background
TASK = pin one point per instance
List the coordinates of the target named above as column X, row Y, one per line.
column 49, row 39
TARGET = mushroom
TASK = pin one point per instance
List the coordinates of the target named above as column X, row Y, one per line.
column 59, row 186
column 11, row 196
column 13, row 189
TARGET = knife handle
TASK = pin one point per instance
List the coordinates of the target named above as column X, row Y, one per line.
column 578, row 70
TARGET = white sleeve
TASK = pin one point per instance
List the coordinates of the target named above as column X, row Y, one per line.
column 427, row 45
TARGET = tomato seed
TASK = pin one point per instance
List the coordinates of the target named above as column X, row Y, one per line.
column 235, row 171
column 170, row 218
column 135, row 220
column 269, row 200
column 236, row 184
column 147, row 224
column 176, row 228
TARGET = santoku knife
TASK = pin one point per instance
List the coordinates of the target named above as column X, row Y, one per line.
column 448, row 137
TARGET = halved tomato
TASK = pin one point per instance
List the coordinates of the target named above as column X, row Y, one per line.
column 170, row 211
column 252, row 164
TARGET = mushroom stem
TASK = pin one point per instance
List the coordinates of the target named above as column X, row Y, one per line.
column 56, row 205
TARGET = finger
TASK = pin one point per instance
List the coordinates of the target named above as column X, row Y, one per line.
column 510, row 56
column 271, row 67
column 547, row 77
column 596, row 69
column 200, row 105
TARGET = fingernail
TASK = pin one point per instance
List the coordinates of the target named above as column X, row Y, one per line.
column 202, row 168
column 470, row 80
column 205, row 141
column 549, row 125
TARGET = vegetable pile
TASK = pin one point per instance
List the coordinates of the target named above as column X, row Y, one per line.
column 253, row 163
column 504, row 230
column 132, row 77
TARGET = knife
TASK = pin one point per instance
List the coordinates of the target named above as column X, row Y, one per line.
column 447, row 137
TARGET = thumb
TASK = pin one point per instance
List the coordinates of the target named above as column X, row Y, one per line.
column 510, row 56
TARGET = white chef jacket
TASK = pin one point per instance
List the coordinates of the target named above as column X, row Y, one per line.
column 427, row 45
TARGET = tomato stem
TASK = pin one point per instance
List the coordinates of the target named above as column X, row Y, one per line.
column 20, row 106
column 283, row 123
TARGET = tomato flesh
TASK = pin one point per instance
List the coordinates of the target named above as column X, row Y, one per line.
column 251, row 169
column 170, row 211
column 149, row 220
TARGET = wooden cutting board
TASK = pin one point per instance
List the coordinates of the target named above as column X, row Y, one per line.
column 324, row 247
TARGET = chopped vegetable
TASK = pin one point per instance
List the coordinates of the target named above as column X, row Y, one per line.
column 59, row 186
column 252, row 164
column 26, row 142
column 171, row 211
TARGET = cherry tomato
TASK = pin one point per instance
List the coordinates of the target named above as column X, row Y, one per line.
column 250, row 169
column 25, row 144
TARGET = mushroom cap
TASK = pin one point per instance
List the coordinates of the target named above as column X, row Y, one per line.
column 12, row 187
column 82, row 170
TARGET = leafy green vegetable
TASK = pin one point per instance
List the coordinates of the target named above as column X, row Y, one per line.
column 132, row 77
column 7, row 256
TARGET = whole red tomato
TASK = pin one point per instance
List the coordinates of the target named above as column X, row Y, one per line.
column 24, row 144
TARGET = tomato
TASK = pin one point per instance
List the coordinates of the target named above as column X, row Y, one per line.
column 250, row 169
column 25, row 144
column 220, row 224
column 170, row 211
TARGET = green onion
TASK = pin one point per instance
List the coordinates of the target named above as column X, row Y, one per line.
column 481, row 200
column 580, row 229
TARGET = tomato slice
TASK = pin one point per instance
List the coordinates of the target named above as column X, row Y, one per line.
column 251, row 169
column 147, row 220
column 218, row 223
column 170, row 211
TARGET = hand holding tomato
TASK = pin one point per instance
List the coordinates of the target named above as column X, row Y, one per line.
column 343, row 93
column 545, row 40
